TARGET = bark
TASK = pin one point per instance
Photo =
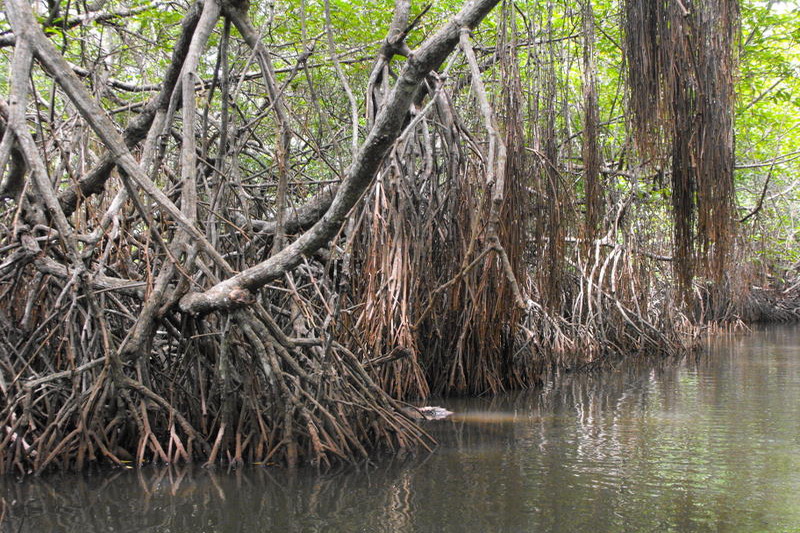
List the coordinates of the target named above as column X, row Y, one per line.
column 136, row 131
column 25, row 26
column 11, row 157
column 238, row 15
column 139, row 341
column 228, row 294
column 296, row 220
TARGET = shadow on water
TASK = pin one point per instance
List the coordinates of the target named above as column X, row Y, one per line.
column 708, row 444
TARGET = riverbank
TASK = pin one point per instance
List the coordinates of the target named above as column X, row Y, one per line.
column 707, row 444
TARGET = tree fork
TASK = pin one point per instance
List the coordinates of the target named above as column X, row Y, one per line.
column 234, row 292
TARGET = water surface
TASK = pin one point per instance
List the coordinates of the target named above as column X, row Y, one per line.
column 710, row 444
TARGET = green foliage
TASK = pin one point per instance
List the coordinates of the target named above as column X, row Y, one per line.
column 768, row 124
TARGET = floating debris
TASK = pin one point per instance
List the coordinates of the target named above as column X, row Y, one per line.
column 428, row 412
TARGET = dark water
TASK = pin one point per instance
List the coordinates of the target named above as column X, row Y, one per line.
column 711, row 444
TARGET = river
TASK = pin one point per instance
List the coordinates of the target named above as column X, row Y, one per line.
column 708, row 444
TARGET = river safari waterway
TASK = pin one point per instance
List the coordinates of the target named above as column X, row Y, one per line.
column 708, row 444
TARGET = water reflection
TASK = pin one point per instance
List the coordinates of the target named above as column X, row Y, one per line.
column 711, row 444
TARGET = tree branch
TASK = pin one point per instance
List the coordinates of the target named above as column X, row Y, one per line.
column 228, row 294
column 25, row 27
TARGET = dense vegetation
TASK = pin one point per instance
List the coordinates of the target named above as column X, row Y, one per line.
column 251, row 233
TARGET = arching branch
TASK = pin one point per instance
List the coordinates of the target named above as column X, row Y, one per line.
column 229, row 293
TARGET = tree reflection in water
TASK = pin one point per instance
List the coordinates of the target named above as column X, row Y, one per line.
column 708, row 444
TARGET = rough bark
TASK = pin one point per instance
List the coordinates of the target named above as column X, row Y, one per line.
column 228, row 294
